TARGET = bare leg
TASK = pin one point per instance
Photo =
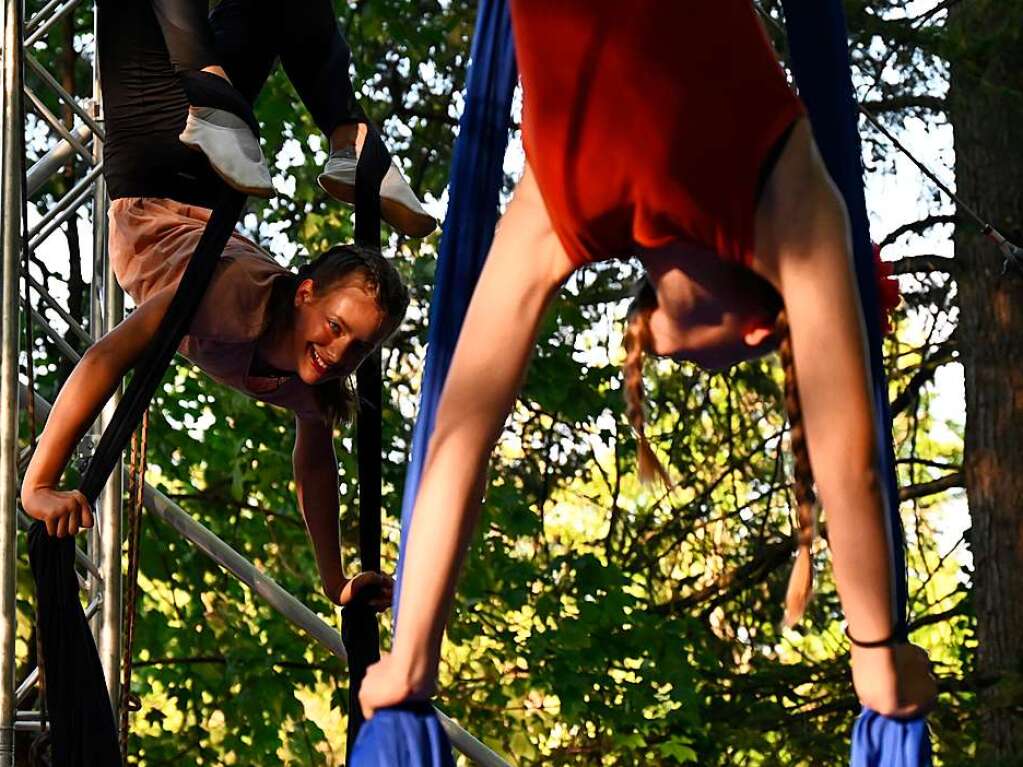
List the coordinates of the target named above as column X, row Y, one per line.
column 346, row 135
column 803, row 249
column 524, row 270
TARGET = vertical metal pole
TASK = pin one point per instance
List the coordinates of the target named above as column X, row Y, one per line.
column 11, row 159
column 108, row 638
column 110, row 512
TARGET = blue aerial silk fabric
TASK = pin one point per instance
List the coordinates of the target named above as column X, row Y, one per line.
column 403, row 736
column 411, row 736
column 819, row 56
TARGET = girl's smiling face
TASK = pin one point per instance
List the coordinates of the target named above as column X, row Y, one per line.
column 333, row 333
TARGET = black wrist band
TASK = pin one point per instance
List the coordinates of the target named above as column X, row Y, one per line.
column 888, row 641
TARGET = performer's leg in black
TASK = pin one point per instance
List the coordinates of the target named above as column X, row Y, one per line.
column 187, row 34
column 220, row 123
column 144, row 110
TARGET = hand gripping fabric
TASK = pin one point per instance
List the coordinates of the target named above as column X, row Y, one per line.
column 818, row 42
column 411, row 735
column 83, row 731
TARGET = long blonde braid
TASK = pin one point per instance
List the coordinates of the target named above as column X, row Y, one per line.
column 637, row 343
column 800, row 588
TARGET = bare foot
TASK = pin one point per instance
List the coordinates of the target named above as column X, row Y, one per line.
column 217, row 70
column 347, row 135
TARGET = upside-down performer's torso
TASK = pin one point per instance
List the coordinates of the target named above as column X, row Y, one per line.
column 640, row 130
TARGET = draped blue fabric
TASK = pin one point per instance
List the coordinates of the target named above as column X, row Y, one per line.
column 818, row 44
column 882, row 742
column 411, row 736
column 403, row 736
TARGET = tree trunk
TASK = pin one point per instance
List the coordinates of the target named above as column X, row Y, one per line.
column 986, row 110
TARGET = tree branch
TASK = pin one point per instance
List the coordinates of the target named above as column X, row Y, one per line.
column 939, row 485
column 924, row 374
column 959, row 608
column 907, row 101
column 917, row 227
column 928, row 264
column 772, row 556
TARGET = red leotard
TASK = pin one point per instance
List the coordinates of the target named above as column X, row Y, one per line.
column 649, row 122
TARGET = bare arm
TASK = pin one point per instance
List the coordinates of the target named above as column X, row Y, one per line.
column 315, row 466
column 803, row 247
column 87, row 389
column 524, row 270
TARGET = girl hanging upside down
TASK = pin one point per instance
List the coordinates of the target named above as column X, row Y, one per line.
column 696, row 158
column 291, row 340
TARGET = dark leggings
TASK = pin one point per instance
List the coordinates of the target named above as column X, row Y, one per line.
column 146, row 47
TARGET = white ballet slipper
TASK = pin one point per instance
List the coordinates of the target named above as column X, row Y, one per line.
column 233, row 152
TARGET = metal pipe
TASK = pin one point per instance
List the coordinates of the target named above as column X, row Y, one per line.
column 50, row 163
column 71, row 200
column 48, row 24
column 69, row 210
column 56, row 125
column 11, row 206
column 108, row 640
column 70, row 100
column 41, row 15
column 54, row 305
column 62, row 346
column 289, row 607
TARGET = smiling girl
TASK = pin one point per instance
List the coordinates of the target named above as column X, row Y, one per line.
column 290, row 340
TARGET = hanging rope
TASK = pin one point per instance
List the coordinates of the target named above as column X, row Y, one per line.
column 136, row 495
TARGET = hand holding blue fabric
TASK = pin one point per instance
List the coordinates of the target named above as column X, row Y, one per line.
column 894, row 681
column 395, row 680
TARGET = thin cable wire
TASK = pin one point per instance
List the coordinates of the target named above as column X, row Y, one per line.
column 1013, row 253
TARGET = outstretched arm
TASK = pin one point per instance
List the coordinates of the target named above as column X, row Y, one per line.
column 315, row 466
column 803, row 248
column 524, row 270
column 83, row 395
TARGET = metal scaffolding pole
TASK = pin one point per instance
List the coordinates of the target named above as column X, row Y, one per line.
column 108, row 637
column 11, row 175
column 47, row 165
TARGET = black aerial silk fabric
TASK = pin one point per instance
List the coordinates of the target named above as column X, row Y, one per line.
column 82, row 727
column 360, row 632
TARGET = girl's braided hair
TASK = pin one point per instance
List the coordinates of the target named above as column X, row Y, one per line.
column 637, row 343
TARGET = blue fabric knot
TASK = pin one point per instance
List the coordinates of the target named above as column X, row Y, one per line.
column 882, row 742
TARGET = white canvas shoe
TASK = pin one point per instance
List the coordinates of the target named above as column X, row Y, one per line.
column 231, row 148
column 399, row 205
